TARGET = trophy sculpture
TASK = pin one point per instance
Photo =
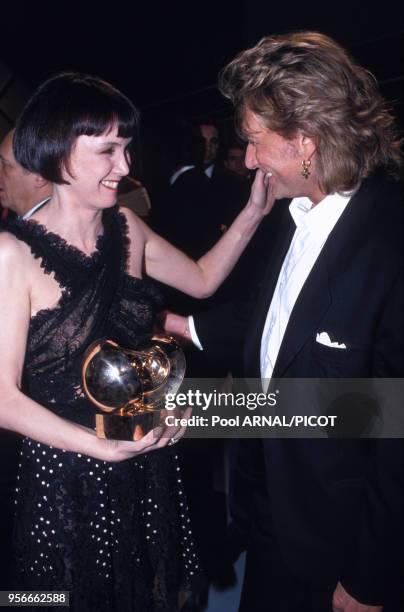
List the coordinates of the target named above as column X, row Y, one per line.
column 129, row 386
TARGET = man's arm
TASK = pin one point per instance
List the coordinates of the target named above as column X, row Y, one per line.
column 219, row 332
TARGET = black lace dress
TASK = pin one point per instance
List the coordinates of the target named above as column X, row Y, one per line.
column 115, row 535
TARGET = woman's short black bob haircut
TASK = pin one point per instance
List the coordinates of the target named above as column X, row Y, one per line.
column 63, row 108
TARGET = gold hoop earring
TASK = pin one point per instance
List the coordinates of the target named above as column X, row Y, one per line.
column 306, row 168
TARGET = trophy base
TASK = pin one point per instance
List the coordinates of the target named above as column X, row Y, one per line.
column 129, row 427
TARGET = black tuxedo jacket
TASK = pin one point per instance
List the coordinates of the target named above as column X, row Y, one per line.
column 335, row 507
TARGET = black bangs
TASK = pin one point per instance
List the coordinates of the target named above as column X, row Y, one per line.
column 63, row 108
column 96, row 110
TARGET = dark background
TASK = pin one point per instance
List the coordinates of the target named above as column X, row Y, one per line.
column 166, row 55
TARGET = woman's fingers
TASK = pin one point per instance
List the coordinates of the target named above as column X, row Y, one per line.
column 174, row 433
column 158, row 437
column 261, row 192
column 183, row 428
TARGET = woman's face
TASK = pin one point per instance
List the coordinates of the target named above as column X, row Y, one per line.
column 96, row 166
column 280, row 157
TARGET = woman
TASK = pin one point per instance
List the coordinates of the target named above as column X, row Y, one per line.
column 103, row 519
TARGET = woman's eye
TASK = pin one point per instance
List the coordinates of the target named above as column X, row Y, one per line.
column 108, row 151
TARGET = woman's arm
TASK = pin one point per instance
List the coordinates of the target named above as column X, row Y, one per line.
column 17, row 411
column 201, row 279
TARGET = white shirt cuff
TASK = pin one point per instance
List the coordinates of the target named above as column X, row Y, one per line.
column 193, row 334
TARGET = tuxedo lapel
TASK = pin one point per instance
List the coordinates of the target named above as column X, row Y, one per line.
column 311, row 305
column 284, row 238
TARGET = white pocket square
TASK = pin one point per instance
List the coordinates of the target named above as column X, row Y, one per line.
column 324, row 338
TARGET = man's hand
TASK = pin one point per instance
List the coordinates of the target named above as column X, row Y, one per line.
column 344, row 602
column 261, row 198
column 176, row 325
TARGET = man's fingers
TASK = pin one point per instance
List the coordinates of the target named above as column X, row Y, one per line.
column 175, row 324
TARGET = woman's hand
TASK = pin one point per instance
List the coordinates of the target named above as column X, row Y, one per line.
column 121, row 450
column 261, row 199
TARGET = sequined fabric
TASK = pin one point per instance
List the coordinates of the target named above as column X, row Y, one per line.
column 115, row 535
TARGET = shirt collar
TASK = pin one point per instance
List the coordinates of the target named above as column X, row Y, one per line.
column 319, row 220
column 209, row 170
column 32, row 210
column 178, row 173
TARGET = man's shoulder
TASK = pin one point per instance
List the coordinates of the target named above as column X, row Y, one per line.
column 377, row 207
column 371, row 229
column 384, row 191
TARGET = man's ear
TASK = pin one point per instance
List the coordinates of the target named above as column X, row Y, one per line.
column 39, row 181
column 306, row 145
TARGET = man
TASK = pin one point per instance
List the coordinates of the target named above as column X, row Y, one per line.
column 228, row 192
column 210, row 135
column 20, row 190
column 234, row 160
column 183, row 212
column 322, row 520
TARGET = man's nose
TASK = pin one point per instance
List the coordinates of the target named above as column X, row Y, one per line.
column 250, row 158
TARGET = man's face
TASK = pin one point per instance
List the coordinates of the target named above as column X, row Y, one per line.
column 235, row 161
column 274, row 155
column 16, row 184
column 210, row 136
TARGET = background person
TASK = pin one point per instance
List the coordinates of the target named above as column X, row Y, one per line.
column 210, row 135
column 20, row 189
column 234, row 159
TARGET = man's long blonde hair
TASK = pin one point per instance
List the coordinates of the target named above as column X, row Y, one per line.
column 306, row 82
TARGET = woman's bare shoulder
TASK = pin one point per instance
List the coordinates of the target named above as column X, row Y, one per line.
column 12, row 250
column 135, row 224
column 15, row 269
column 138, row 232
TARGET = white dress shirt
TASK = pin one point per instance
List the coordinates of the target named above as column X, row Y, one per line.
column 209, row 170
column 313, row 226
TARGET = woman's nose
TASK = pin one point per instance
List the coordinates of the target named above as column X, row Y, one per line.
column 123, row 163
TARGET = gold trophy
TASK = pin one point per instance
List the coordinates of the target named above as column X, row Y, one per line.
column 129, row 386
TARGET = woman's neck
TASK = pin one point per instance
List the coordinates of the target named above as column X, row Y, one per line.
column 76, row 223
